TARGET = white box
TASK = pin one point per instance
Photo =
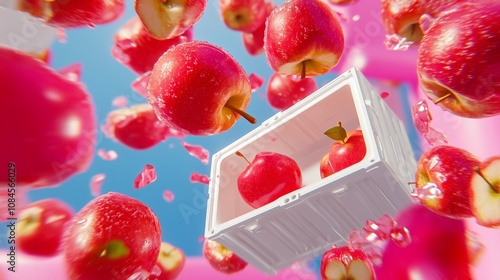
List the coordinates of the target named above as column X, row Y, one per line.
column 305, row 223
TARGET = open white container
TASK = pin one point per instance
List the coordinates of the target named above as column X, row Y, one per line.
column 307, row 222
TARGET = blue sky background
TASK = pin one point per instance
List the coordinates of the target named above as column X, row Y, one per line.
column 106, row 79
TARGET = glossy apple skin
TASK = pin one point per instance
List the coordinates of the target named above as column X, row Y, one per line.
column 486, row 198
column 343, row 155
column 325, row 169
column 135, row 48
column 45, row 117
column 460, row 54
column 254, row 41
column 75, row 13
column 269, row 176
column 438, row 249
column 342, row 2
column 283, row 91
column 243, row 15
column 221, row 258
column 344, row 255
column 107, row 218
column 41, row 225
column 137, row 127
column 170, row 268
column 402, row 17
column 206, row 78
column 303, row 30
column 451, row 169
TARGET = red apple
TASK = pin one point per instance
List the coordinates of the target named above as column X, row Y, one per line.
column 210, row 92
column 137, row 127
column 402, row 17
column 486, row 192
column 171, row 262
column 342, row 2
column 438, row 249
column 40, row 226
column 303, row 37
column 268, row 177
column 450, row 169
column 55, row 122
column 459, row 57
column 74, row 13
column 345, row 263
column 348, row 149
column 168, row 19
column 283, row 91
column 113, row 237
column 325, row 169
column 243, row 15
column 139, row 51
column 254, row 41
column 221, row 258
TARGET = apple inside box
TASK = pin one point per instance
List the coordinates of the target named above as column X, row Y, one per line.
column 307, row 222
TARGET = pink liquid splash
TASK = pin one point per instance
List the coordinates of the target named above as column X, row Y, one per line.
column 197, row 151
column 145, row 177
column 199, row 178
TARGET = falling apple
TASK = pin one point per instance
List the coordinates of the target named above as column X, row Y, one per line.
column 113, row 237
column 55, row 122
column 459, row 58
column 40, row 226
column 346, row 263
column 402, row 17
column 450, row 170
column 303, row 38
column 135, row 48
column 171, row 262
column 438, row 249
column 243, row 15
column 221, row 258
column 254, row 41
column 137, row 127
column 210, row 93
column 168, row 19
column 268, row 177
column 283, row 91
column 485, row 185
column 348, row 149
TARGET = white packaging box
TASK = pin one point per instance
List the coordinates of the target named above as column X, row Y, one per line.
column 307, row 222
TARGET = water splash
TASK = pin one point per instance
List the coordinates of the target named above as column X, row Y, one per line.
column 197, row 151
column 199, row 178
column 107, row 155
column 395, row 42
column 422, row 118
column 427, row 192
column 95, row 184
column 145, row 177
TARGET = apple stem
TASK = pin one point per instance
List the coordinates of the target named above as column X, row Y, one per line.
column 437, row 101
column 478, row 171
column 238, row 153
column 242, row 113
column 303, row 74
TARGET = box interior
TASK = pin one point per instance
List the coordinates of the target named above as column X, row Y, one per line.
column 299, row 135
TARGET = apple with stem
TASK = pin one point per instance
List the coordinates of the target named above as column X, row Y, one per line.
column 254, row 41
column 268, row 177
column 325, row 169
column 297, row 42
column 171, row 262
column 55, row 122
column 458, row 60
column 402, row 17
column 243, row 15
column 348, row 149
column 221, row 258
column 41, row 225
column 346, row 263
column 113, row 237
column 485, row 185
column 135, row 48
column 210, row 93
column 283, row 91
column 439, row 248
column 165, row 19
column 137, row 127
column 450, row 170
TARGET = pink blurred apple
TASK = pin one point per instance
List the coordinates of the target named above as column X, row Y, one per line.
column 283, row 91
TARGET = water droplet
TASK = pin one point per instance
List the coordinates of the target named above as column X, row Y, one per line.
column 168, row 196
column 401, row 236
column 426, row 22
column 427, row 191
column 394, row 42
